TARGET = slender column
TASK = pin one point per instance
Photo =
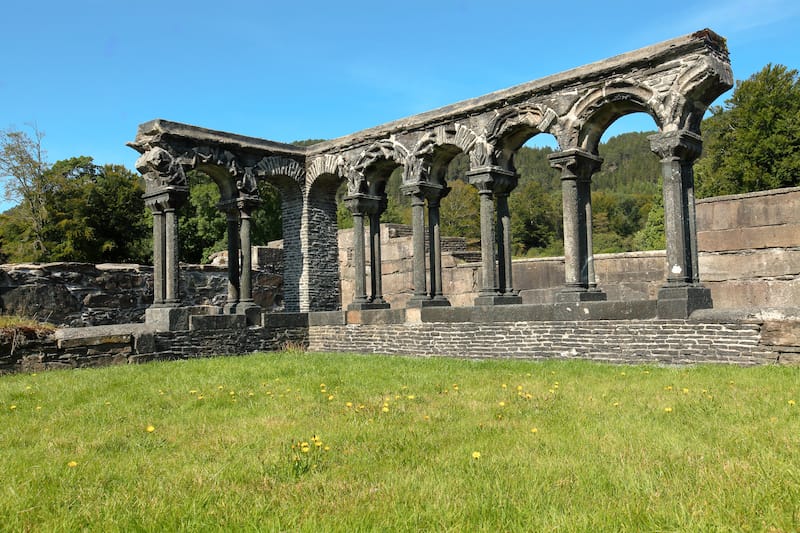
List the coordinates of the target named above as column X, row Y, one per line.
column 577, row 167
column 418, row 245
column 375, row 257
column 489, row 280
column 159, row 252
column 435, row 238
column 233, row 259
column 585, row 195
column 358, row 257
column 678, row 151
column 171, row 267
column 506, row 285
column 245, row 276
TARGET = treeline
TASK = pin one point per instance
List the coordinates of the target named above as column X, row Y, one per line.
column 75, row 210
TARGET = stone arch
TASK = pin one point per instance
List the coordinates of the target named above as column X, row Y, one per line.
column 597, row 110
column 319, row 279
column 435, row 149
column 511, row 127
column 379, row 160
column 288, row 177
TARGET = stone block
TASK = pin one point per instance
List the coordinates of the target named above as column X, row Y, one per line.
column 217, row 322
column 681, row 302
column 781, row 236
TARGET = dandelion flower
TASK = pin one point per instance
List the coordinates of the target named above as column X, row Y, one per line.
column 616, row 404
column 502, row 404
column 327, row 448
column 150, row 429
column 791, row 402
column 38, row 407
column 330, row 397
column 534, row 430
column 410, row 397
column 426, row 417
column 13, row 407
column 72, row 464
column 519, row 387
column 503, row 386
column 685, row 390
column 385, row 409
column 476, row 455
column 349, row 404
column 668, row 409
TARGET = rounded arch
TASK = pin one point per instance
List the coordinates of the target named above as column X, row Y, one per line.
column 597, row 110
column 435, row 150
column 512, row 127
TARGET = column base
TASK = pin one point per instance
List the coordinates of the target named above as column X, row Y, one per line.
column 682, row 301
column 249, row 309
column 570, row 295
column 360, row 306
column 164, row 318
column 498, row 299
column 439, row 301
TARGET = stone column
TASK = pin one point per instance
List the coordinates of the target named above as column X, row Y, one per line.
column 505, row 281
column 491, row 181
column 171, row 266
column 159, row 253
column 246, row 271
column 376, row 297
column 418, row 245
column 435, row 195
column 577, row 167
column 682, row 292
column 233, row 258
column 360, row 205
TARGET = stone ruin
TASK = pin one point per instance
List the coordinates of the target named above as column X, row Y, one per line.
column 674, row 82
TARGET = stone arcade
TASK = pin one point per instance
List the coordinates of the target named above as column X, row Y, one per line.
column 674, row 82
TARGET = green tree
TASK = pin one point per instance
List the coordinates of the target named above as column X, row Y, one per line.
column 752, row 143
column 459, row 212
column 535, row 217
column 23, row 167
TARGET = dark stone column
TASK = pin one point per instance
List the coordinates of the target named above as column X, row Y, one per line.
column 361, row 205
column 435, row 195
column 159, row 252
column 233, row 257
column 577, row 167
column 495, row 247
column 171, row 266
column 682, row 292
column 376, row 273
column 418, row 245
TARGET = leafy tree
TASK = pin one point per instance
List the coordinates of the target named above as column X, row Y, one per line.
column 752, row 143
column 535, row 217
column 23, row 167
column 459, row 212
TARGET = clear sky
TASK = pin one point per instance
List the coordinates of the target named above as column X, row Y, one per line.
column 87, row 73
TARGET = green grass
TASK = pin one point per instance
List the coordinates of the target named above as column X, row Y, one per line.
column 615, row 448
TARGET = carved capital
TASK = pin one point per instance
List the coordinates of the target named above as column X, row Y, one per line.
column 575, row 164
column 363, row 204
column 683, row 145
column 492, row 180
column 160, row 169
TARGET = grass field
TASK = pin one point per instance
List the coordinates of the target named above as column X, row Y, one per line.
column 331, row 442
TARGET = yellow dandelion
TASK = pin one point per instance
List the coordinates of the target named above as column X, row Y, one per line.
column 327, row 448
column 476, row 455
column 200, row 397
column 220, row 387
column 28, row 387
column 426, row 417
column 330, row 397
column 528, row 395
column 385, row 409
column 349, row 404
column 622, row 373
column 615, row 404
column 455, row 387
column 321, row 385
column 150, row 429
column 791, row 402
column 519, row 387
column 552, row 391
column 232, row 393
column 685, row 390
column 251, row 394
column 668, row 409
column 38, row 407
column 503, row 386
column 193, row 391
column 72, row 464
column 13, row 407
column 534, row 430
column 502, row 404
column 668, row 388
column 410, row 397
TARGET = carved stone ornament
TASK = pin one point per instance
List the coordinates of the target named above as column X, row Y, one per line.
column 160, row 168
column 280, row 166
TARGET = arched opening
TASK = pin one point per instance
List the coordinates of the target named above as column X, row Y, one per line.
column 627, row 188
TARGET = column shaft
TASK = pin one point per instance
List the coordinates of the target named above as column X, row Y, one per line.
column 233, row 258
column 418, row 244
column 358, row 258
column 245, row 278
column 435, row 239
column 489, row 280
column 159, row 253
column 574, row 245
column 375, row 258
column 171, row 266
column 506, row 285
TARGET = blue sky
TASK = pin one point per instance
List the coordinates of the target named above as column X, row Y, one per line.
column 87, row 73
